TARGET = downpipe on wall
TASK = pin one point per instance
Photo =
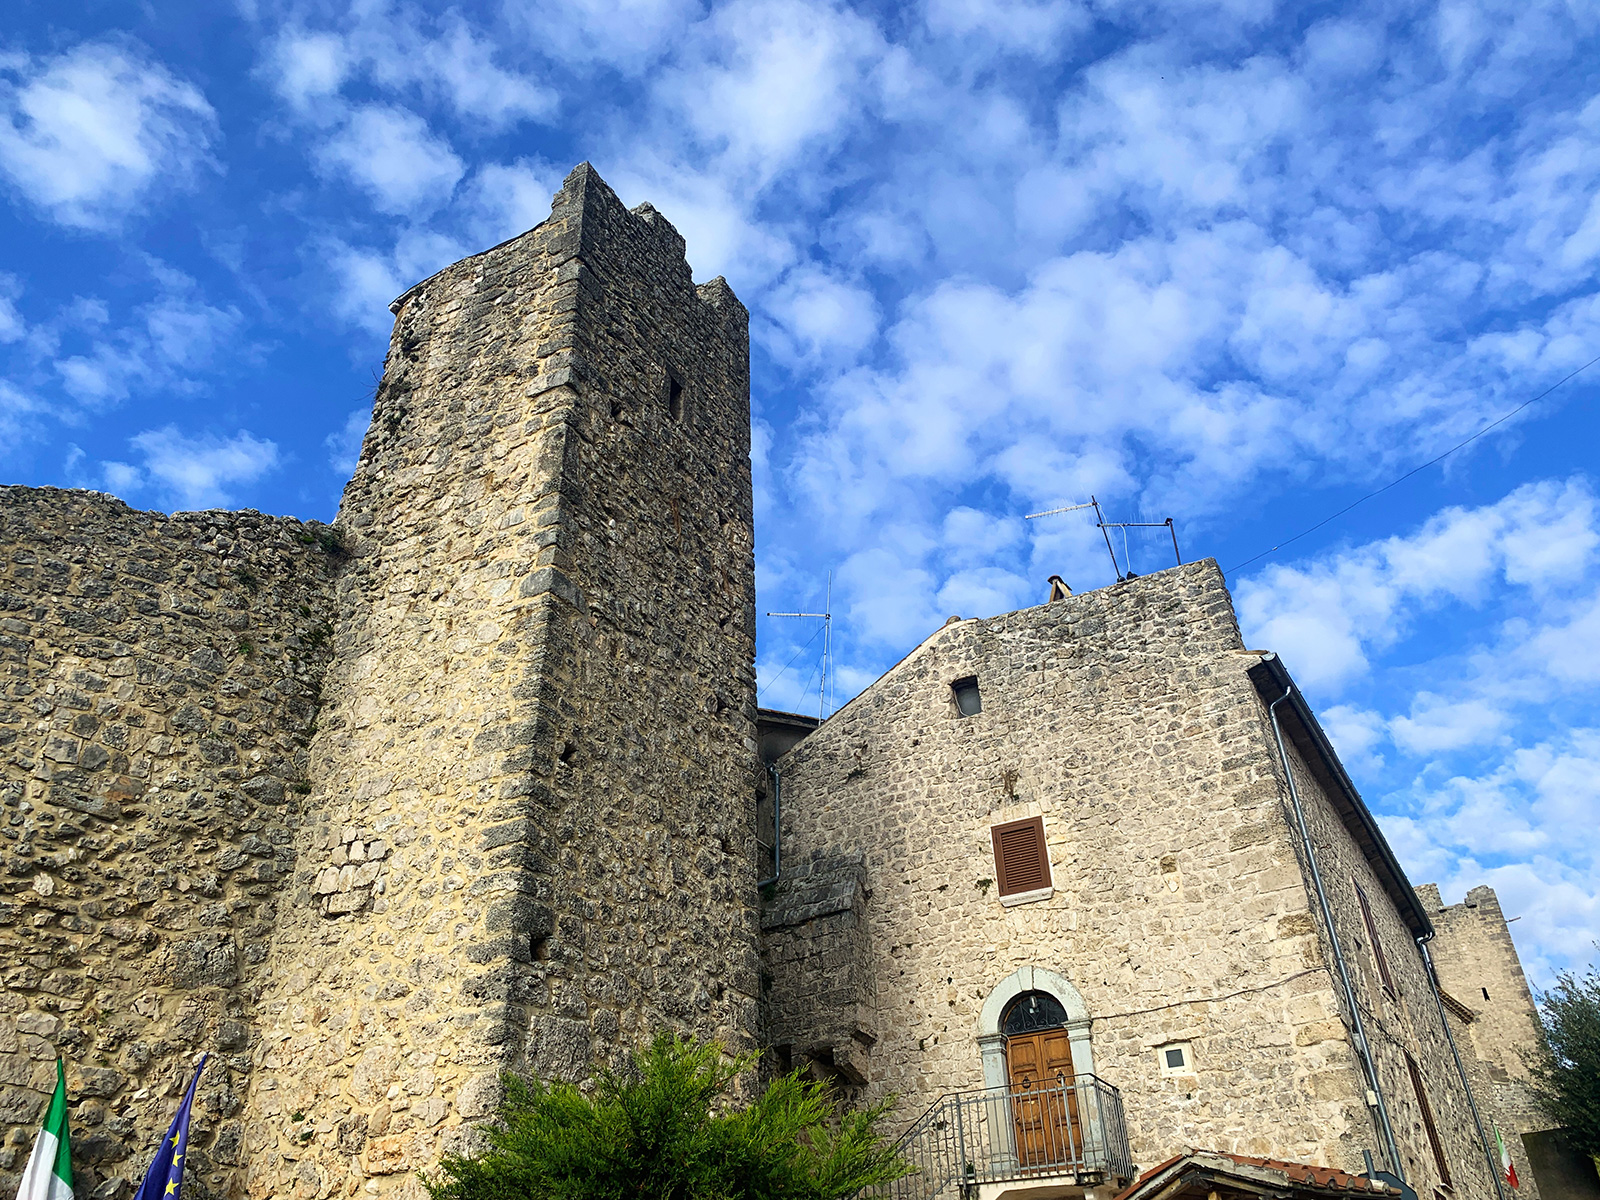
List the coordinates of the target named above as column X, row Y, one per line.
column 777, row 827
column 1477, row 1120
column 1358, row 1029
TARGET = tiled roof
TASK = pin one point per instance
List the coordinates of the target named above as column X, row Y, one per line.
column 1325, row 1180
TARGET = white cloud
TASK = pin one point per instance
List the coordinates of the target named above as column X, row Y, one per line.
column 308, row 67
column 1326, row 617
column 626, row 35
column 398, row 51
column 192, row 472
column 392, row 155
column 12, row 326
column 502, row 200
column 1032, row 27
column 88, row 134
column 163, row 344
column 813, row 315
column 344, row 443
column 767, row 79
column 367, row 280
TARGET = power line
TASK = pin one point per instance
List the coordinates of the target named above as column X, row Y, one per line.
column 1414, row 470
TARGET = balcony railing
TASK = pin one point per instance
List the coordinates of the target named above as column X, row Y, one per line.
column 1068, row 1131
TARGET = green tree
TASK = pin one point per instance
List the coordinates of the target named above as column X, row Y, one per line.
column 1567, row 1073
column 666, row 1129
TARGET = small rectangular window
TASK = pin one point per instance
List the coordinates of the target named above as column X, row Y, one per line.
column 969, row 702
column 1175, row 1058
column 1377, row 946
column 1427, row 1121
column 1021, row 863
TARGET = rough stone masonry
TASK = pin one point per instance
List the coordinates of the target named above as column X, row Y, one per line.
column 467, row 783
column 457, row 786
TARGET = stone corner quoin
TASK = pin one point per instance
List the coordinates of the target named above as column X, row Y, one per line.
column 473, row 780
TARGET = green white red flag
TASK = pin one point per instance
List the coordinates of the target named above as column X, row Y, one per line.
column 49, row 1173
column 1508, row 1169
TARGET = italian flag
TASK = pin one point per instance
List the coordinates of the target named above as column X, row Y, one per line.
column 49, row 1173
column 1508, row 1169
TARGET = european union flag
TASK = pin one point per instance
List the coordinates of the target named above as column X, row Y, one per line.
column 165, row 1176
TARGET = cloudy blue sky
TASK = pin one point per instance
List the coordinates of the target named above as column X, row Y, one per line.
column 1229, row 261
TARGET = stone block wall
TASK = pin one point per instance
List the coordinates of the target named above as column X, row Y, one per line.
column 1125, row 719
column 1406, row 1020
column 819, row 984
column 160, row 680
column 532, row 843
column 1478, row 965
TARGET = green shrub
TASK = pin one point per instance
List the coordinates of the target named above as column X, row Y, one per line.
column 666, row 1130
column 1566, row 1071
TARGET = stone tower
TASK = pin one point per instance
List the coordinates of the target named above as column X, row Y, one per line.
column 529, row 843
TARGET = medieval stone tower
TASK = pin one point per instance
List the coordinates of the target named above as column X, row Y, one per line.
column 467, row 783
column 457, row 786
column 530, row 837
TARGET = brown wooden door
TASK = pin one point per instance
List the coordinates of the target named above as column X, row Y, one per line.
column 1044, row 1105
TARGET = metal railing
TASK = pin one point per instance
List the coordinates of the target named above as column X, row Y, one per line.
column 1066, row 1128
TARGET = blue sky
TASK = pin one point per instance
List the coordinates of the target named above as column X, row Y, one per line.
column 1233, row 262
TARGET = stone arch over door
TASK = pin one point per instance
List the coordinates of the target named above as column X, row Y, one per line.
column 992, row 1041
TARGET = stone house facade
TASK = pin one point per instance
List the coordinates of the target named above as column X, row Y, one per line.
column 474, row 781
column 1179, row 910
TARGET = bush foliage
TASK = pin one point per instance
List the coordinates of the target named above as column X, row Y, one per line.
column 1567, row 1075
column 666, row 1129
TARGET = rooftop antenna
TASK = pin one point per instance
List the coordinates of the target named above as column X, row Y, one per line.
column 826, row 616
column 1127, row 525
column 1100, row 523
column 1103, row 525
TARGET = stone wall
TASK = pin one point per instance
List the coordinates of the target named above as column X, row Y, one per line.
column 1180, row 910
column 1478, row 965
column 532, row 843
column 1125, row 719
column 1406, row 1020
column 160, row 681
column 819, row 985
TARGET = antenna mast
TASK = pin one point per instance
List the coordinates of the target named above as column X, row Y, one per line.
column 1103, row 525
column 826, row 617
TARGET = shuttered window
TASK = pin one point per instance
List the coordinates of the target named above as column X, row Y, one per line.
column 1020, row 861
column 1427, row 1121
column 1377, row 946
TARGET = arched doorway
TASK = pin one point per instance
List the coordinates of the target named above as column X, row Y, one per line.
column 1041, row 1081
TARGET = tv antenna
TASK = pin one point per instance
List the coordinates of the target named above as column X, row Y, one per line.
column 826, row 616
column 1103, row 525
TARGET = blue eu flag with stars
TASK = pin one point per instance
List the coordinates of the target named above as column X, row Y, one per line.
column 165, row 1176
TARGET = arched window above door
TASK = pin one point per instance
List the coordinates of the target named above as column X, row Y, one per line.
column 1012, row 1001
column 1032, row 1012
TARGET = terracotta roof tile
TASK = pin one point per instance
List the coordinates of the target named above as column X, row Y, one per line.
column 1326, row 1179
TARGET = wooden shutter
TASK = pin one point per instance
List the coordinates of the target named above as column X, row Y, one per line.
column 1377, row 946
column 1427, row 1121
column 1020, row 861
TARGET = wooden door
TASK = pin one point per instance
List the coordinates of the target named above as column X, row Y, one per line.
column 1044, row 1104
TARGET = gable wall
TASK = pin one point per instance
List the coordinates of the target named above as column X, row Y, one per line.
column 1124, row 718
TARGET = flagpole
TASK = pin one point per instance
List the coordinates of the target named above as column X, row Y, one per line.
column 164, row 1179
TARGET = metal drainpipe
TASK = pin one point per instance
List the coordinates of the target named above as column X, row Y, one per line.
column 1483, row 1138
column 1333, row 938
column 777, row 828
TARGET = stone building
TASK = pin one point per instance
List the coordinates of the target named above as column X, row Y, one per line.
column 473, row 780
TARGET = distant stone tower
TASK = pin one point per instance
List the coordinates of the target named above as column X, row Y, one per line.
column 530, row 841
